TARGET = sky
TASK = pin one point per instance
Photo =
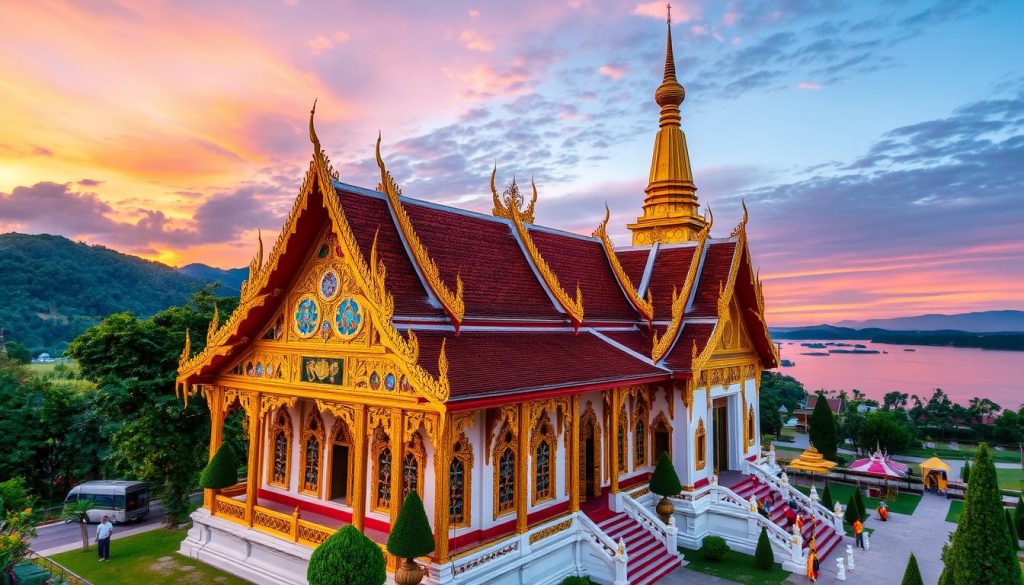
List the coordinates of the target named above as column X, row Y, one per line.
column 879, row 146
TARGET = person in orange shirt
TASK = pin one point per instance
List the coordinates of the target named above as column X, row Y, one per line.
column 858, row 531
column 799, row 523
column 883, row 512
column 813, row 565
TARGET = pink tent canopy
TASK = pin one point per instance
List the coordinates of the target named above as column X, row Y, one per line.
column 879, row 464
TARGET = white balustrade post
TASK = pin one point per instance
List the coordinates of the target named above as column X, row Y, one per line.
column 814, row 493
column 784, row 480
column 672, row 531
column 849, row 557
column 837, row 521
column 621, row 564
column 796, row 546
column 772, row 462
column 840, row 568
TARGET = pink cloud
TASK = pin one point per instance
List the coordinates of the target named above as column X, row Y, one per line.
column 808, row 85
column 681, row 11
column 474, row 13
column 612, row 71
column 730, row 18
column 474, row 41
column 320, row 43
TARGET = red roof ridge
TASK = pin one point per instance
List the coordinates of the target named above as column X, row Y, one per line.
column 642, row 305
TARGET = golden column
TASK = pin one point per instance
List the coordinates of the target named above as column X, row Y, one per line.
column 574, row 455
column 522, row 491
column 358, row 494
column 442, row 489
column 613, row 438
column 215, row 401
column 254, row 471
column 397, row 422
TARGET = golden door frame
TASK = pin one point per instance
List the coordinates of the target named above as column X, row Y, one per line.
column 589, row 428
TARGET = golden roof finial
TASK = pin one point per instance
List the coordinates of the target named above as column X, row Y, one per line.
column 670, row 93
column 312, row 130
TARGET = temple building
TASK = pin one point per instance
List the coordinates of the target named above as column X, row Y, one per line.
column 522, row 379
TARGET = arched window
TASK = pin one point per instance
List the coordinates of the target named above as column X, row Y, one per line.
column 640, row 435
column 543, row 448
column 312, row 445
column 505, row 459
column 381, row 453
column 700, row 446
column 279, row 472
column 459, row 481
column 412, row 466
column 623, row 441
column 661, row 437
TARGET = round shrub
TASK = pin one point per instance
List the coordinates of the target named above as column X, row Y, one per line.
column 584, row 580
column 222, row 471
column 713, row 548
column 347, row 558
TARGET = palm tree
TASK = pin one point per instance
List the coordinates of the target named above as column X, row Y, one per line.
column 79, row 512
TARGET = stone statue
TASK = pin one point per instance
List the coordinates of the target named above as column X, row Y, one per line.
column 784, row 479
column 714, row 480
column 867, row 540
column 839, row 509
column 814, row 494
column 840, row 569
column 849, row 557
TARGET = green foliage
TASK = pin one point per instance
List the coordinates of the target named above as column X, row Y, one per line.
column 852, row 513
column 859, row 499
column 912, row 574
column 764, row 557
column 16, row 529
column 1018, row 515
column 826, row 499
column 664, row 480
column 822, row 429
column 18, row 352
column 713, row 548
column 889, row 430
column 786, row 390
column 979, row 551
column 347, row 558
column 78, row 511
column 583, row 580
column 222, row 471
column 769, row 415
column 154, row 436
column 411, row 536
column 14, row 495
column 1011, row 532
column 965, row 472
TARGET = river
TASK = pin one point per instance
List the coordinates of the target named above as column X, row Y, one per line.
column 915, row 369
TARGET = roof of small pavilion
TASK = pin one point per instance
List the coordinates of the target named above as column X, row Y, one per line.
column 812, row 460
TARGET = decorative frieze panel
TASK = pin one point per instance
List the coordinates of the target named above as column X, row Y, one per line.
column 318, row 370
column 264, row 365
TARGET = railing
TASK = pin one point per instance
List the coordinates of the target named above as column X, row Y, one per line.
column 229, row 508
column 664, row 533
column 804, row 502
column 613, row 554
column 55, row 569
column 776, row 534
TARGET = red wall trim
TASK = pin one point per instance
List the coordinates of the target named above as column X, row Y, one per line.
column 703, row 482
column 546, row 513
column 482, row 536
column 752, row 458
column 307, row 506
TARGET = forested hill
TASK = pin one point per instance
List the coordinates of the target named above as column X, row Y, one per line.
column 53, row 289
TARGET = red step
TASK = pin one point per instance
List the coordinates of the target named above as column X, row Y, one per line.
column 648, row 558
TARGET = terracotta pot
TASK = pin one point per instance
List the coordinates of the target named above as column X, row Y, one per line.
column 665, row 509
column 408, row 573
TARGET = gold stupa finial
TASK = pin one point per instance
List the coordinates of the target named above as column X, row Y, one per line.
column 312, row 131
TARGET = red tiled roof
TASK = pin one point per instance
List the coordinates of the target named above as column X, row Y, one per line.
column 498, row 281
column 634, row 262
column 670, row 268
column 576, row 260
column 714, row 270
column 637, row 339
column 834, row 404
column 681, row 356
column 484, row 363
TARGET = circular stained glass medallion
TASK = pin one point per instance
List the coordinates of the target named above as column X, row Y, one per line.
column 389, row 382
column 307, row 316
column 329, row 284
column 348, row 319
column 375, row 380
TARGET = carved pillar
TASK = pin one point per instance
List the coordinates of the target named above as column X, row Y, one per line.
column 215, row 402
column 574, row 454
column 397, row 422
column 613, row 437
column 442, row 488
column 522, row 481
column 255, row 466
column 359, row 467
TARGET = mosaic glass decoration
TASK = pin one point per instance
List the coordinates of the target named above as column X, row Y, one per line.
column 457, row 503
column 543, row 479
column 384, row 478
column 507, row 480
column 389, row 382
column 307, row 316
column 638, row 442
column 249, row 369
column 259, row 370
column 280, row 473
column 329, row 284
column 270, row 371
column 622, row 450
column 324, row 251
column 325, row 330
column 404, row 385
column 312, row 471
column 410, row 474
column 375, row 381
column 349, row 318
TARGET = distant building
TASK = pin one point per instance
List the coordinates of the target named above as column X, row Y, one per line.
column 804, row 414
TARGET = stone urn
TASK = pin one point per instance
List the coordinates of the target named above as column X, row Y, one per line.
column 665, row 508
column 408, row 573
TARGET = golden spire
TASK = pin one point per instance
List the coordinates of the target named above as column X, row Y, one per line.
column 670, row 207
column 312, row 131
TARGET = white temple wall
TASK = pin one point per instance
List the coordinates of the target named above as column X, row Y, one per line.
column 753, row 400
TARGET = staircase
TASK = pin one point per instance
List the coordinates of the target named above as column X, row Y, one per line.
column 648, row 558
column 825, row 535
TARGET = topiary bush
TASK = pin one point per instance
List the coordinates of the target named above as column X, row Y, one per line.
column 583, row 580
column 713, row 548
column 1018, row 515
column 664, row 480
column 222, row 471
column 347, row 558
column 764, row 556
column 852, row 514
column 826, row 499
column 965, row 472
column 1011, row 530
column 912, row 574
column 860, row 504
column 411, row 536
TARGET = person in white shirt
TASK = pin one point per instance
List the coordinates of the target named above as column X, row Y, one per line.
column 103, row 538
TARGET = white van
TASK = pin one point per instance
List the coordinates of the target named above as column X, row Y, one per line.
column 122, row 501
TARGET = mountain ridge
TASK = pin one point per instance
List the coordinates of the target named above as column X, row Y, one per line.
column 975, row 322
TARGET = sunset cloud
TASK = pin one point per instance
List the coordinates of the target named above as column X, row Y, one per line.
column 474, row 41
column 612, row 71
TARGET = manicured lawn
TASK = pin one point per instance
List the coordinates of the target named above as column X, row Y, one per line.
column 1007, row 456
column 736, row 567
column 150, row 558
column 955, row 508
column 903, row 504
column 1010, row 479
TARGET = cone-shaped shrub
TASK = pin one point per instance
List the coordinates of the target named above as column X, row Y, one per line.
column 1011, row 532
column 852, row 514
column 822, row 429
column 965, row 473
column 826, row 499
column 764, row 557
column 912, row 575
column 411, row 536
column 860, row 504
column 1018, row 516
column 979, row 553
column 664, row 480
column 222, row 471
column 347, row 558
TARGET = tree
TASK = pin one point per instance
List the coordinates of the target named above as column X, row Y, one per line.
column 851, row 426
column 1018, row 515
column 764, row 557
column 978, row 552
column 768, row 411
column 852, row 513
column 912, row 574
column 222, row 470
column 665, row 483
column 859, row 499
column 1011, row 531
column 411, row 536
column 822, row 429
column 895, row 400
column 18, row 352
column 965, row 472
column 16, row 529
column 888, row 430
column 826, row 499
column 347, row 558
column 79, row 512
